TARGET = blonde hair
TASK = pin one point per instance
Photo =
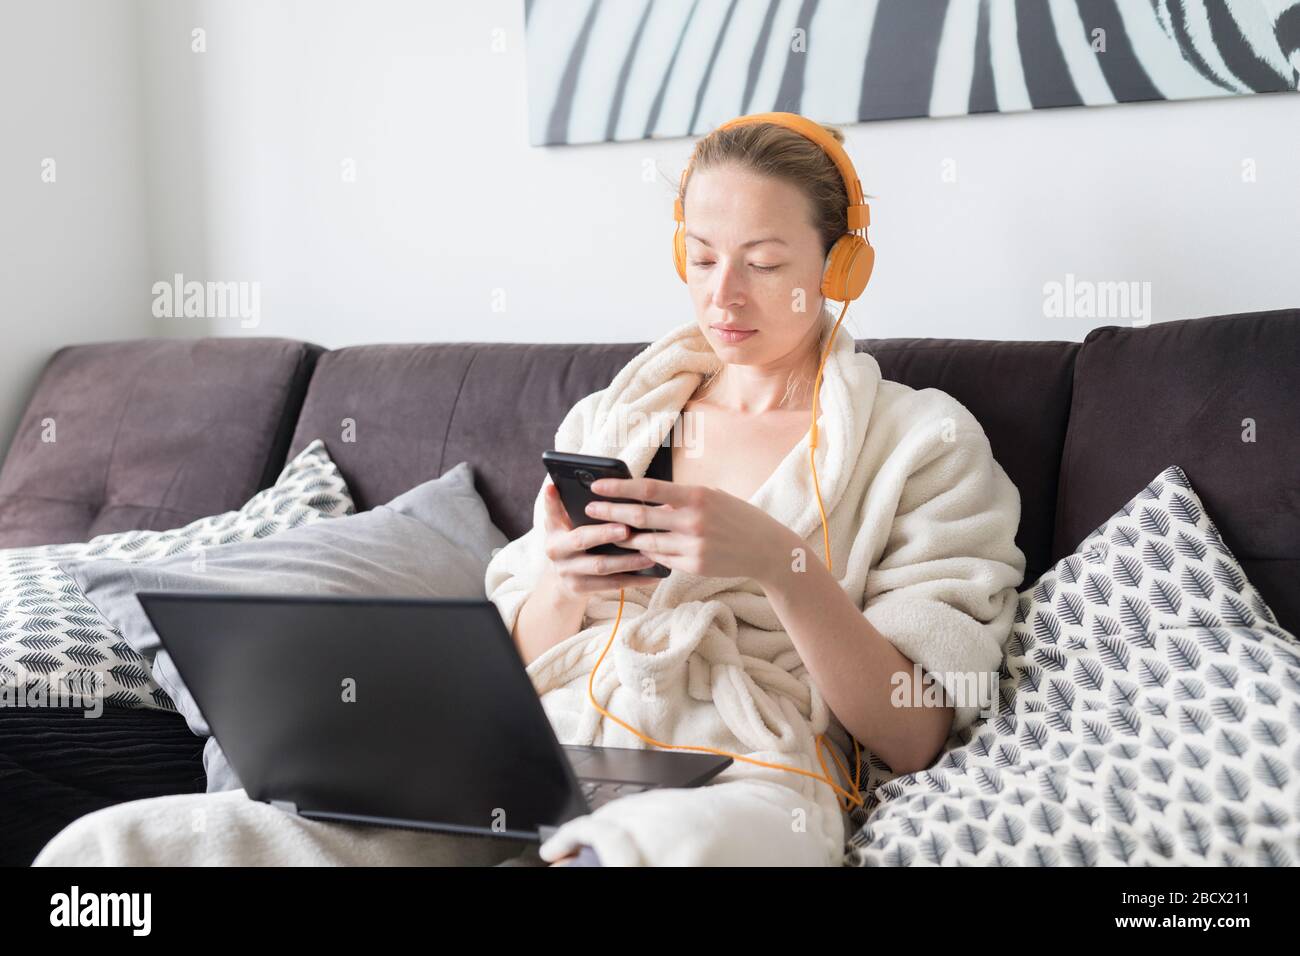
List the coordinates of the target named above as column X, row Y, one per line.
column 778, row 151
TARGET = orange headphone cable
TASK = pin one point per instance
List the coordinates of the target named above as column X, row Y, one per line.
column 853, row 799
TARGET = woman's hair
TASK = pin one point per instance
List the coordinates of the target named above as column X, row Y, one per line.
column 777, row 151
column 780, row 152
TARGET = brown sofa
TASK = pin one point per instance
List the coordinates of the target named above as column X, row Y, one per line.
column 155, row 433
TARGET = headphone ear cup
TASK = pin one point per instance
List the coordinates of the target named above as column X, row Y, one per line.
column 848, row 268
column 679, row 251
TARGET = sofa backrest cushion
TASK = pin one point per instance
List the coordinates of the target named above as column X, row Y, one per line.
column 393, row 416
column 149, row 434
column 1215, row 396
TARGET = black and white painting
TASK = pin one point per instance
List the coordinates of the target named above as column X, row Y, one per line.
column 602, row 70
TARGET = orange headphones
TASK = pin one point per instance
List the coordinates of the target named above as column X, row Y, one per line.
column 851, row 259
column 848, row 268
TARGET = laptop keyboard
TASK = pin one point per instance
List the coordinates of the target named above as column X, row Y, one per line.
column 598, row 792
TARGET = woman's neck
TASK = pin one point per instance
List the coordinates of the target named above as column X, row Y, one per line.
column 753, row 390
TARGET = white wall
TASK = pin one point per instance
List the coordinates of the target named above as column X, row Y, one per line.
column 451, row 203
column 74, row 257
column 226, row 165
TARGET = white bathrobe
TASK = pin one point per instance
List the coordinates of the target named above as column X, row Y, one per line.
column 922, row 524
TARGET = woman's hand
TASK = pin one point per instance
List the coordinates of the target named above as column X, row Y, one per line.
column 696, row 529
column 577, row 574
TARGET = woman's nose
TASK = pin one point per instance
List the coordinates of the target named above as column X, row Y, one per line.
column 729, row 290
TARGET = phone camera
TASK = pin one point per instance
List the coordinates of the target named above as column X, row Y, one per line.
column 585, row 477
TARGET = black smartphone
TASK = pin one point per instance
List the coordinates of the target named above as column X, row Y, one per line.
column 573, row 475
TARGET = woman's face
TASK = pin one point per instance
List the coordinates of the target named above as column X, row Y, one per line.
column 754, row 263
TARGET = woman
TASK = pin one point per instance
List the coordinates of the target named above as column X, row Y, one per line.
column 752, row 646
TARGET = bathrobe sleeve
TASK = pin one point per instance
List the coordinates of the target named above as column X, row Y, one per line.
column 514, row 570
column 944, row 588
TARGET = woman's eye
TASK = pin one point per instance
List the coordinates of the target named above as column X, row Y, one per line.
column 753, row 265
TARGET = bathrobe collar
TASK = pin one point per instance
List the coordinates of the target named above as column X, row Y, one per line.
column 638, row 409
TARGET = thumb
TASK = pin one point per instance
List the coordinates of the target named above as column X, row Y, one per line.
column 556, row 515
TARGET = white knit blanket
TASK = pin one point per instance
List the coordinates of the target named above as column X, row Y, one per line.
column 922, row 526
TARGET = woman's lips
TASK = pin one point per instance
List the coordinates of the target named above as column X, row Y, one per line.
column 731, row 336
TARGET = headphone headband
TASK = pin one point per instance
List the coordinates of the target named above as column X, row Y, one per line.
column 859, row 213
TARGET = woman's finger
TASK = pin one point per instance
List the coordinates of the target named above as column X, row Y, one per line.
column 557, row 517
column 645, row 489
column 653, row 517
column 657, row 542
column 603, row 564
column 589, row 535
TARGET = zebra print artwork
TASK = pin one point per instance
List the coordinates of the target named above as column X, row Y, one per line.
column 602, row 70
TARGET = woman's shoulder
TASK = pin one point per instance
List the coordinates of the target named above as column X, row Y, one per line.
column 577, row 421
column 908, row 408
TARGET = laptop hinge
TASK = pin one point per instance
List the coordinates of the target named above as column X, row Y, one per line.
column 288, row 806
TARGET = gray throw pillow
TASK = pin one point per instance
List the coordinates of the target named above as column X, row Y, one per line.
column 434, row 541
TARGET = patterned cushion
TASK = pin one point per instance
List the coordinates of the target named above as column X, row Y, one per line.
column 52, row 637
column 1149, row 714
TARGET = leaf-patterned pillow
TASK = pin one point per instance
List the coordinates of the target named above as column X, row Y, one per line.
column 51, row 637
column 1149, row 711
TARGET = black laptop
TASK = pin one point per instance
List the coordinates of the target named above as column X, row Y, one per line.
column 401, row 712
